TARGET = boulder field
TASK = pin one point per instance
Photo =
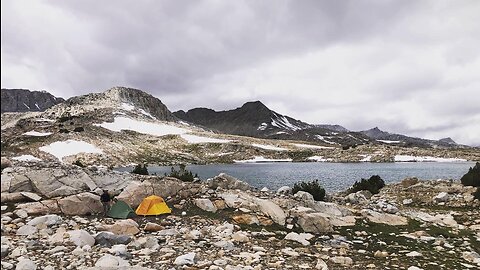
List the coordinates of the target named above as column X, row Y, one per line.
column 52, row 219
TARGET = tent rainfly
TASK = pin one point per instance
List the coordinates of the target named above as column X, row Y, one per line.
column 120, row 210
column 152, row 206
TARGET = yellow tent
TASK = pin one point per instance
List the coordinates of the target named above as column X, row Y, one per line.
column 152, row 206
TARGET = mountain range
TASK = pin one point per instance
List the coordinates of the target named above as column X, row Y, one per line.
column 252, row 119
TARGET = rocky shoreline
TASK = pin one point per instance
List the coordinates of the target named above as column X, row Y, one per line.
column 51, row 220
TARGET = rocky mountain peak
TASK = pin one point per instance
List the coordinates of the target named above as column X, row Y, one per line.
column 23, row 100
column 117, row 98
column 447, row 140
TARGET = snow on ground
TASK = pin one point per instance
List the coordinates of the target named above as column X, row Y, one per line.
column 62, row 149
column 323, row 139
column 44, row 120
column 310, row 146
column 26, row 158
column 184, row 123
column 36, row 105
column 142, row 111
column 269, row 147
column 366, row 158
column 37, row 134
column 282, row 122
column 156, row 129
column 319, row 159
column 199, row 139
column 262, row 126
column 281, row 132
column 260, row 159
column 387, row 141
column 407, row 158
column 127, row 107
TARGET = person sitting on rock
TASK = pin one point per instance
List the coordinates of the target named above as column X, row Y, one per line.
column 105, row 199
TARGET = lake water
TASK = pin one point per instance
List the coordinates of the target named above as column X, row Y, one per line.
column 333, row 176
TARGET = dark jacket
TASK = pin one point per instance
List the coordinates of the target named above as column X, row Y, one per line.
column 105, row 197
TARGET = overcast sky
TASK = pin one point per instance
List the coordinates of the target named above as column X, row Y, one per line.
column 410, row 67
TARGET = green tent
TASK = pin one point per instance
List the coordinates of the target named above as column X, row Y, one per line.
column 120, row 210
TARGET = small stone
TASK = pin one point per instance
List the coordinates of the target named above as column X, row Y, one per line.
column 380, row 254
column 25, row 264
column 187, row 259
column 321, row 265
column 346, row 261
column 152, row 227
column 414, row 254
column 302, row 238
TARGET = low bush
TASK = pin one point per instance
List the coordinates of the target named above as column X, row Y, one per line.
column 79, row 163
column 476, row 194
column 182, row 174
column 140, row 169
column 373, row 184
column 472, row 177
column 312, row 187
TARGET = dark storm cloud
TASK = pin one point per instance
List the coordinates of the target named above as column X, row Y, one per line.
column 320, row 61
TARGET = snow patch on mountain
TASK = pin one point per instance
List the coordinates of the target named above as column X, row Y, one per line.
column 63, row 149
column 262, row 126
column 320, row 137
column 28, row 158
column 156, row 129
column 260, row 159
column 407, row 158
column 37, row 134
column 310, row 146
column 269, row 147
column 388, row 141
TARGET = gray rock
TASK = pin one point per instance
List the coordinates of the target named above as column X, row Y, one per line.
column 6, row 265
column 109, row 239
column 226, row 181
column 81, row 204
column 284, row 190
column 187, row 259
column 48, row 220
column 81, row 238
column 25, row 264
column 301, row 238
column 21, row 213
column 5, row 249
column 314, row 223
column 31, row 196
column 109, row 261
column 345, row 261
column 441, row 197
column 41, row 208
column 390, row 219
column 27, row 230
column 206, row 205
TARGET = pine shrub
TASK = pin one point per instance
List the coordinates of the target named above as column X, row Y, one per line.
column 312, row 187
column 140, row 169
column 472, row 177
column 182, row 174
column 373, row 184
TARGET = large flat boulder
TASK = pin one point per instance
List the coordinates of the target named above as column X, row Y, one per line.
column 136, row 191
column 226, row 181
column 389, row 219
column 81, row 204
column 41, row 207
column 60, row 182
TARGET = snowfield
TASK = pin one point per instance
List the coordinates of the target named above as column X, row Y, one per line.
column 269, row 147
column 319, row 159
column 387, row 141
column 37, row 134
column 28, row 158
column 406, row 158
column 260, row 159
column 63, row 149
column 156, row 129
column 310, row 146
column 124, row 123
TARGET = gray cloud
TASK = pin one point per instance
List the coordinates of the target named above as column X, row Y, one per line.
column 360, row 64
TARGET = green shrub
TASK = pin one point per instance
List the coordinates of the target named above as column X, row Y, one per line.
column 373, row 184
column 313, row 187
column 476, row 194
column 79, row 163
column 472, row 177
column 182, row 174
column 140, row 169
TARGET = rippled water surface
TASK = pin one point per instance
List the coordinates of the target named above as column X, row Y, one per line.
column 333, row 176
